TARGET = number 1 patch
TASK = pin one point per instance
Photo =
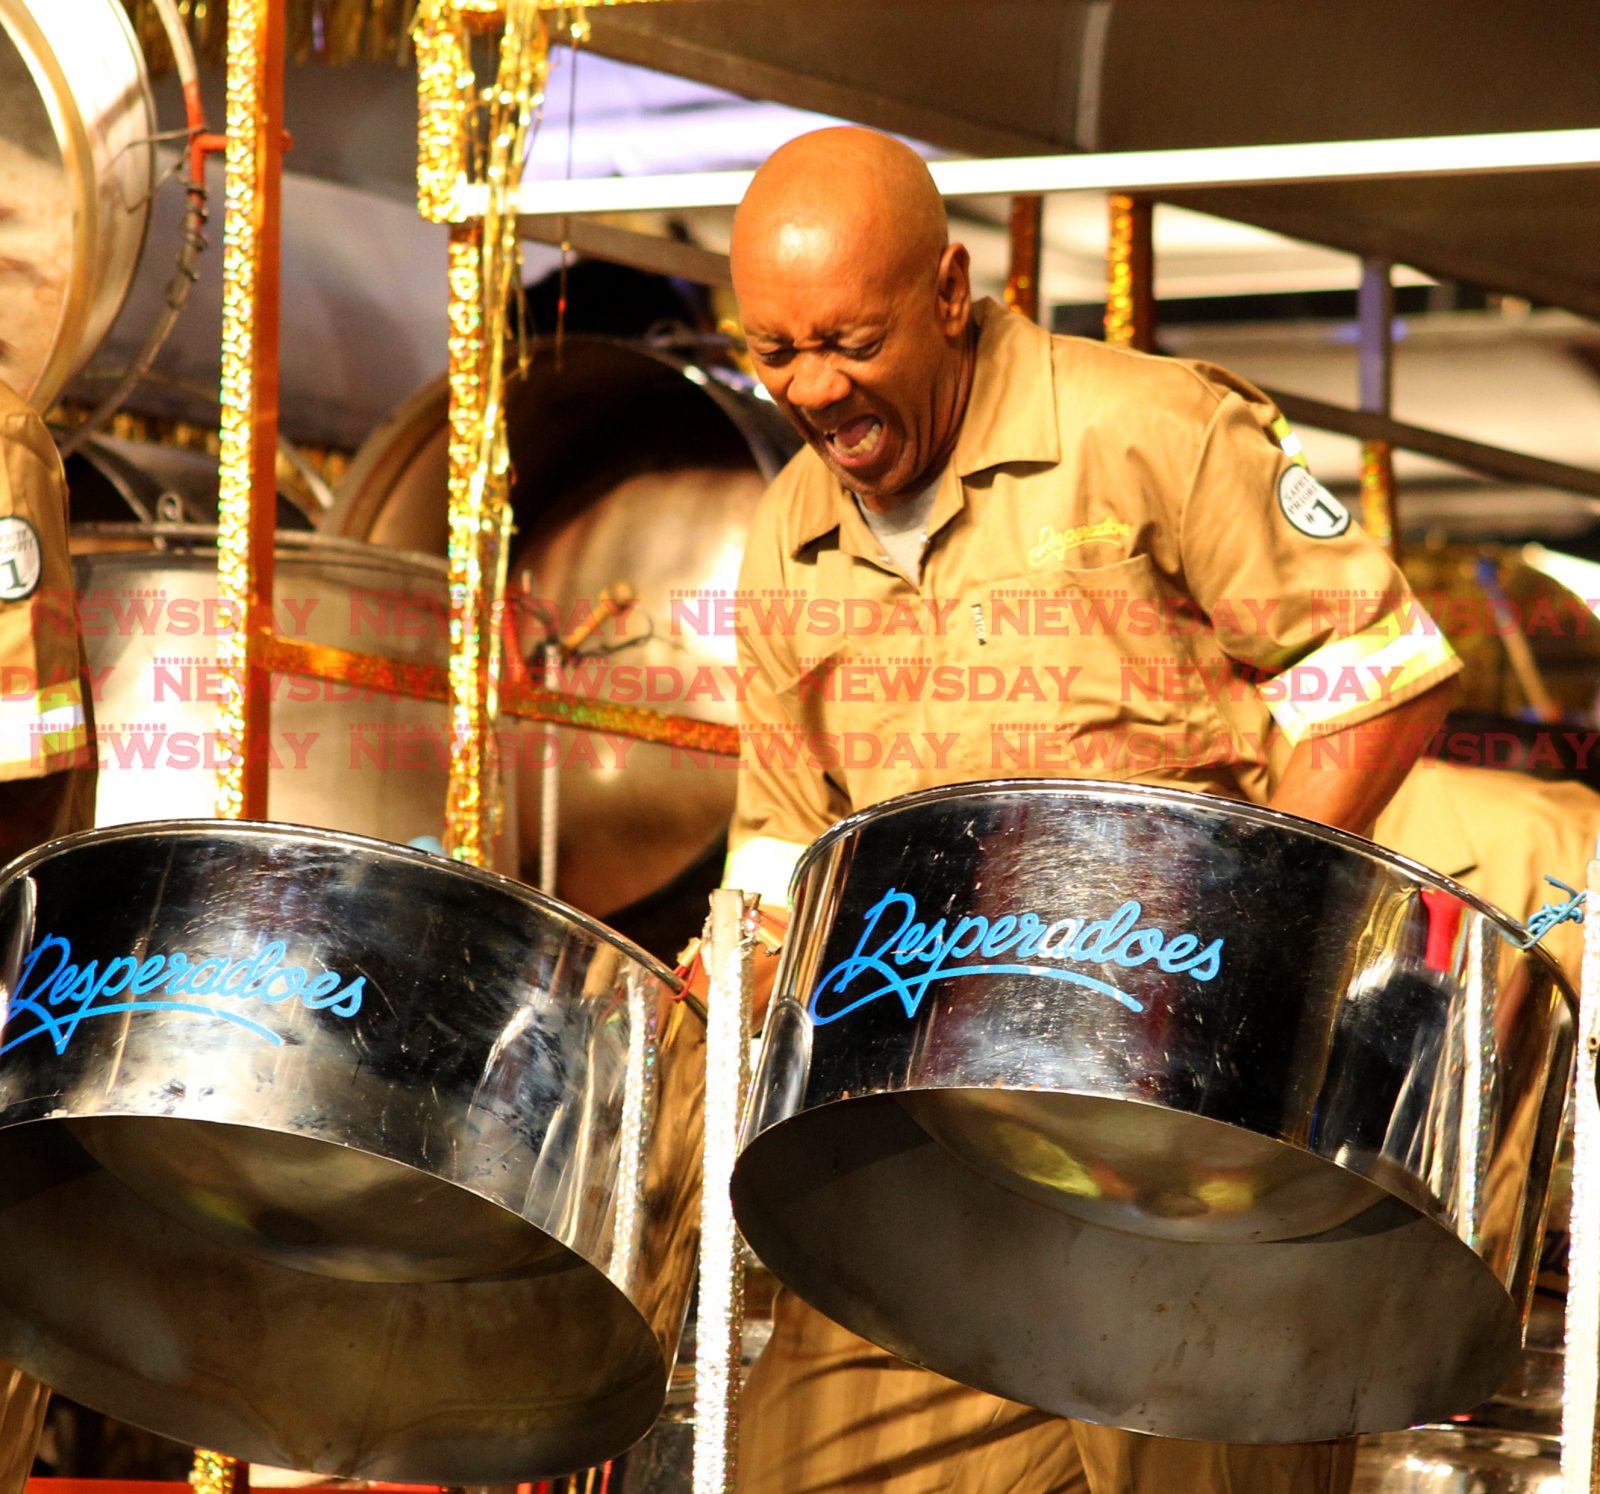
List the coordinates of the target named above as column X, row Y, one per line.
column 1309, row 506
column 20, row 560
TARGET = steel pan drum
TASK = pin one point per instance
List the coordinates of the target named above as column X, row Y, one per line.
column 77, row 167
column 340, row 1156
column 1157, row 1110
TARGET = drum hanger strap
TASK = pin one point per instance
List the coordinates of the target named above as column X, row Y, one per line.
column 1568, row 911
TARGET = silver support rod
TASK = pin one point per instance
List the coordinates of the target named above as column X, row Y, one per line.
column 1375, row 331
column 1581, row 1371
column 626, row 246
column 1491, row 461
column 729, row 954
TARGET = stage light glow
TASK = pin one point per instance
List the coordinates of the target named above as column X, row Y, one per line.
column 1148, row 171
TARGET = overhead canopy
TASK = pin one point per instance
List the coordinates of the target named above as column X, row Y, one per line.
column 1018, row 77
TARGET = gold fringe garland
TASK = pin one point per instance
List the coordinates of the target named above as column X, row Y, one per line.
column 1130, row 298
column 332, row 31
column 249, row 413
column 1378, row 495
column 217, row 1473
column 484, row 266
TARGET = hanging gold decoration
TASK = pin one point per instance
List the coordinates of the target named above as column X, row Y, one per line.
column 1130, row 297
column 484, row 267
column 445, row 89
column 331, row 31
column 246, row 491
column 1378, row 495
column 217, row 1473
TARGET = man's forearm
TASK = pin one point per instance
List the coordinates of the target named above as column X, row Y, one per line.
column 1345, row 778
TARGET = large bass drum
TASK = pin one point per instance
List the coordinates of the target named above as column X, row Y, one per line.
column 338, row 1155
column 77, row 167
column 1157, row 1110
column 631, row 464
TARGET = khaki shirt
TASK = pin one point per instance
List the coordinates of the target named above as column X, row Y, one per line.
column 1127, row 577
column 1501, row 834
column 43, row 713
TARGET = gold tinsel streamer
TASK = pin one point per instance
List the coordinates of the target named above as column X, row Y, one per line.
column 444, row 110
column 1378, row 495
column 331, row 31
column 380, row 676
column 241, row 264
column 1121, row 326
column 483, row 269
column 217, row 1473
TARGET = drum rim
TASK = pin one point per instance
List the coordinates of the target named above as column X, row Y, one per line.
column 282, row 830
column 1163, row 793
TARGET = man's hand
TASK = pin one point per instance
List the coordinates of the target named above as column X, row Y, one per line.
column 774, row 925
column 1344, row 779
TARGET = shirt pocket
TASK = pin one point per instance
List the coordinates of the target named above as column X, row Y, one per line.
column 1105, row 651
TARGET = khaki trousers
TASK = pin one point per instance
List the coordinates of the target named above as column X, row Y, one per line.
column 827, row 1413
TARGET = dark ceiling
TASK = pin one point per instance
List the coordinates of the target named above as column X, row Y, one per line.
column 1036, row 76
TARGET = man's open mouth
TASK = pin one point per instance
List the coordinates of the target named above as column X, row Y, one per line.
column 856, row 439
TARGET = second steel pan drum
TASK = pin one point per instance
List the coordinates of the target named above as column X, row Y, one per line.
column 335, row 1155
column 1157, row 1110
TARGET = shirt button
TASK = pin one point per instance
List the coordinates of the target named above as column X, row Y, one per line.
column 883, row 560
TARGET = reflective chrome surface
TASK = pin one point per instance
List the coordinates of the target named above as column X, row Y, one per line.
column 1448, row 1460
column 1511, row 1444
column 1156, row 1110
column 77, row 166
column 339, row 1156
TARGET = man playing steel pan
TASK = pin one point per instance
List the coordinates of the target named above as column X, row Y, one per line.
column 1059, row 560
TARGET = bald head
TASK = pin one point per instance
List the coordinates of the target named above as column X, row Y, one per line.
column 844, row 193
column 856, row 306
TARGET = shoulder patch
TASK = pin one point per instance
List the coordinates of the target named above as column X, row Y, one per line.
column 1309, row 506
column 20, row 559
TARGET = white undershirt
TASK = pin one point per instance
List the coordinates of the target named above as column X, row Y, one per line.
column 903, row 530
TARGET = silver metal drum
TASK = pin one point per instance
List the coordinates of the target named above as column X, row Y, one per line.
column 1511, row 1444
column 1448, row 1460
column 339, row 1156
column 1157, row 1110
column 343, row 756
column 77, row 166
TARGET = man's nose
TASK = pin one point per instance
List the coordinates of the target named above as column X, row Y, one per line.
column 817, row 383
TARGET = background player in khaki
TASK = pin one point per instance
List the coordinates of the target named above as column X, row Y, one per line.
column 961, row 459
column 47, row 773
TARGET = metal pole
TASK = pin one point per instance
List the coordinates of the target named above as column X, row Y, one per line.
column 1022, row 285
column 1581, row 1370
column 1375, row 371
column 1130, row 274
column 247, row 496
column 247, row 478
column 729, row 953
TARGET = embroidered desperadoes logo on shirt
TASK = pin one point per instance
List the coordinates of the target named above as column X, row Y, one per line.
column 1053, row 543
column 1309, row 506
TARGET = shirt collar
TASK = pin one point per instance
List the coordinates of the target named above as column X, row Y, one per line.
column 1010, row 417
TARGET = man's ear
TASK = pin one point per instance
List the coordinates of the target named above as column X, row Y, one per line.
column 954, row 293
